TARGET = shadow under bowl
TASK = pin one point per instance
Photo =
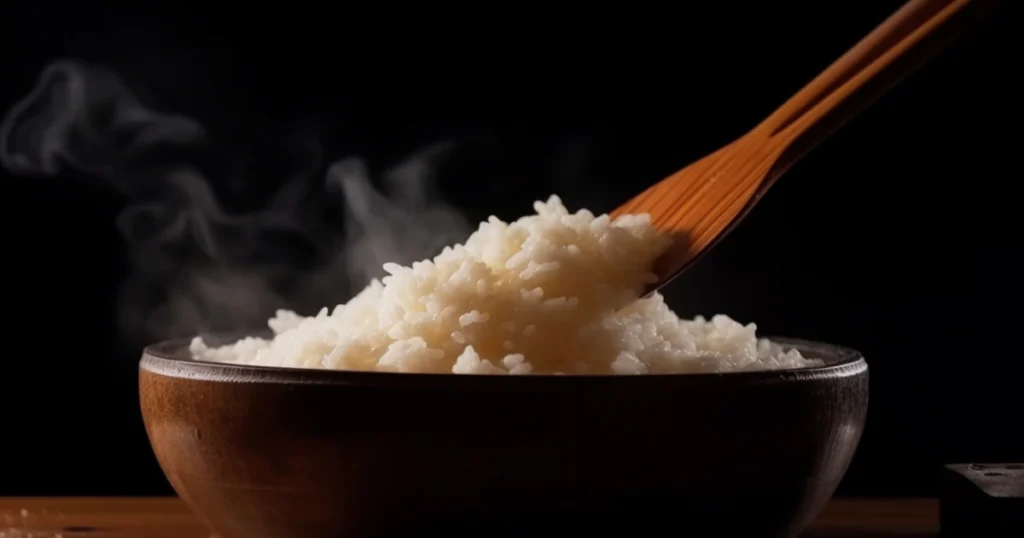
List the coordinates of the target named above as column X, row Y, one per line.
column 292, row 453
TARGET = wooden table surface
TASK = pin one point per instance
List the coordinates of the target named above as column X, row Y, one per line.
column 117, row 517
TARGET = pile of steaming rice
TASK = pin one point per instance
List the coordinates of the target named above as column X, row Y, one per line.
column 551, row 293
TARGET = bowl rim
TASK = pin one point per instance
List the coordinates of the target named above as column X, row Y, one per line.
column 165, row 358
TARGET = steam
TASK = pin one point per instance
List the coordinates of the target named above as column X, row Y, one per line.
column 83, row 116
column 196, row 267
column 376, row 232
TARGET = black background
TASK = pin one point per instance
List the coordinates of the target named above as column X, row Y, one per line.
column 897, row 237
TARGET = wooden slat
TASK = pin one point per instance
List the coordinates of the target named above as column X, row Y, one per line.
column 117, row 517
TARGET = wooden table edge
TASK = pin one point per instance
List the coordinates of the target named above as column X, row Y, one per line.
column 142, row 517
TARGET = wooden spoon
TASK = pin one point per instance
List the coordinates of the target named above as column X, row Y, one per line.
column 699, row 204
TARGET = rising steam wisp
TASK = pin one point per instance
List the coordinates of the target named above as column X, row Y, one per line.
column 196, row 267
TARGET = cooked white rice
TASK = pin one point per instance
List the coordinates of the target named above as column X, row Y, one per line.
column 551, row 293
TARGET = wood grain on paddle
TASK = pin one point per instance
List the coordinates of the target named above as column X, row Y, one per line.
column 699, row 204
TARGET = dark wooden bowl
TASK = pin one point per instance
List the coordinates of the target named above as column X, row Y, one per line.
column 282, row 453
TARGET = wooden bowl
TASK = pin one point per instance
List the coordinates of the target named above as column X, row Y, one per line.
column 293, row 453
